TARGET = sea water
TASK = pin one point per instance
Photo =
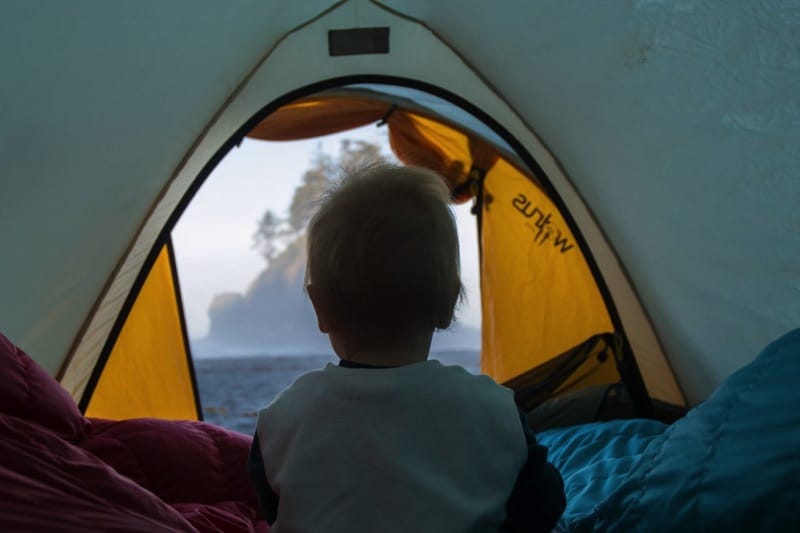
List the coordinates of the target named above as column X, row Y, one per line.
column 233, row 389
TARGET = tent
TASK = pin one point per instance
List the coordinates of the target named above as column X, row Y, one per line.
column 651, row 143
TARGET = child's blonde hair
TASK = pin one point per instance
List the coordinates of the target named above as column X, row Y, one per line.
column 383, row 252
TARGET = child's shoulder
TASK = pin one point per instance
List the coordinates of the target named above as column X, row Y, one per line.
column 477, row 385
column 459, row 372
column 307, row 381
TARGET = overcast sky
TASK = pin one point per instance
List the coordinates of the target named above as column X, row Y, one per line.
column 213, row 240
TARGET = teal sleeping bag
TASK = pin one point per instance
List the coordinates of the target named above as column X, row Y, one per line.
column 731, row 464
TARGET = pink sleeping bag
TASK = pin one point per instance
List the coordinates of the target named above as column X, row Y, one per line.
column 62, row 471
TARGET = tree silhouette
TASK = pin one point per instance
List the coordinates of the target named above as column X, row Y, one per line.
column 269, row 230
column 316, row 180
column 274, row 233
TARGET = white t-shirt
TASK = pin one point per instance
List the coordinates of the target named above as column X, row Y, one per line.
column 416, row 448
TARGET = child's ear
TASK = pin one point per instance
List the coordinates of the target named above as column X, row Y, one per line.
column 319, row 308
column 444, row 322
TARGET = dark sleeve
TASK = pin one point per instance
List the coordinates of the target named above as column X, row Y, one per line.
column 267, row 499
column 537, row 501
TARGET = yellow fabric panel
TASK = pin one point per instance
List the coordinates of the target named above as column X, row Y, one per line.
column 539, row 296
column 147, row 373
column 318, row 116
column 423, row 142
column 452, row 143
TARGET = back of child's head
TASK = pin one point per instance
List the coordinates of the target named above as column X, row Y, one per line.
column 383, row 253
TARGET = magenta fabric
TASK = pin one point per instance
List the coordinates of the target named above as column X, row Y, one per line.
column 48, row 484
column 61, row 471
column 29, row 392
column 224, row 516
column 180, row 461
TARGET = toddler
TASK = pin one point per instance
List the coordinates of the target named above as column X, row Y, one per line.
column 388, row 440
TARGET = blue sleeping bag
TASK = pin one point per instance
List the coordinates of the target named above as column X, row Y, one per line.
column 731, row 464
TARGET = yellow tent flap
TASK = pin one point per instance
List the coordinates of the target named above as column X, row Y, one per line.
column 149, row 372
column 539, row 296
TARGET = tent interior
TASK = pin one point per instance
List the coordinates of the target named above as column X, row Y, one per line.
column 633, row 168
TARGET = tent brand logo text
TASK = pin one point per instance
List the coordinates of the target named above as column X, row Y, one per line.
column 541, row 224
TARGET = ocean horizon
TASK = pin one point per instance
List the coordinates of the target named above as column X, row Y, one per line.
column 233, row 388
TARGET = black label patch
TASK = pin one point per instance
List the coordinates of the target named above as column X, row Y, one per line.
column 358, row 41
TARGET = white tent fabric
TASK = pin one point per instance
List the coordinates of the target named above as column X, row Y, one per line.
column 676, row 123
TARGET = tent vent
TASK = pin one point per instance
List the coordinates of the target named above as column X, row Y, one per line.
column 358, row 41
